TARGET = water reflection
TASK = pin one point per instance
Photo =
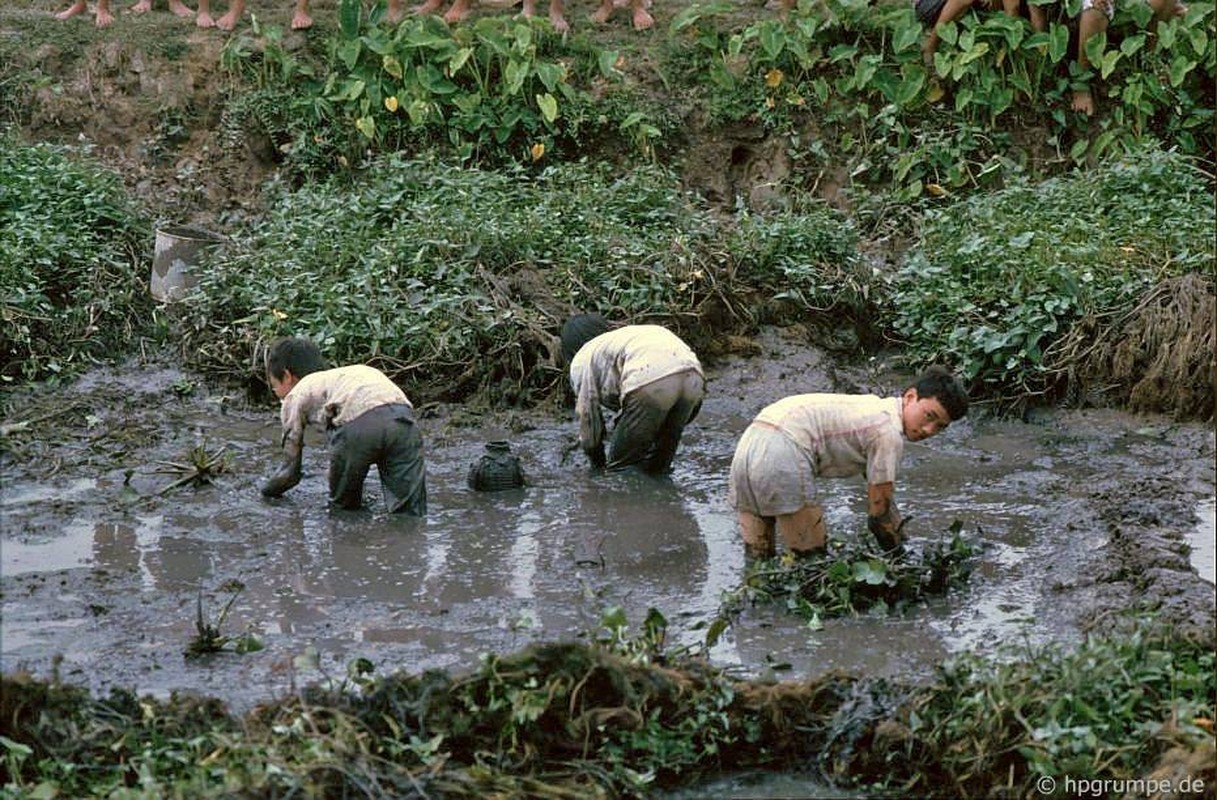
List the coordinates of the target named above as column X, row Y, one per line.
column 1203, row 541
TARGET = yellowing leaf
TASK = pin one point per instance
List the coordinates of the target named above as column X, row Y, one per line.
column 548, row 105
column 936, row 190
column 773, row 78
column 935, row 93
column 391, row 103
column 538, row 151
column 391, row 65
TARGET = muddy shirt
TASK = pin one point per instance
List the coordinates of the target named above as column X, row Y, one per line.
column 842, row 434
column 616, row 363
column 334, row 397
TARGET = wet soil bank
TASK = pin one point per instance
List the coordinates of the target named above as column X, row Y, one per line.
column 1082, row 516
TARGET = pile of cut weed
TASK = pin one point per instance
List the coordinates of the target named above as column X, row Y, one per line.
column 853, row 580
column 1156, row 356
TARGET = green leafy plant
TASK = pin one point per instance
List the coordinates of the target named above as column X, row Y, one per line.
column 73, row 263
column 997, row 282
column 854, row 580
column 209, row 639
column 199, row 468
column 857, row 70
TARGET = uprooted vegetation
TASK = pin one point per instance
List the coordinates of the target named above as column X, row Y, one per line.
column 616, row 718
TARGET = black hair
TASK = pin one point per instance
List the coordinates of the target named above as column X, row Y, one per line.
column 938, row 382
column 294, row 353
column 579, row 330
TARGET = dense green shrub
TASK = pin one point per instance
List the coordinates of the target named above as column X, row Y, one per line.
column 810, row 254
column 847, row 76
column 998, row 279
column 417, row 266
column 1108, row 709
column 460, row 277
column 73, row 263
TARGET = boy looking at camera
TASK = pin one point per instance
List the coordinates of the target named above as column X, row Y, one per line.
column 797, row 440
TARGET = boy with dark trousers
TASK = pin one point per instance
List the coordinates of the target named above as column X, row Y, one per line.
column 367, row 418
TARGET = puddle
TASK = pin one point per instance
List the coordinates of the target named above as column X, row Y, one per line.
column 1203, row 541
column 113, row 586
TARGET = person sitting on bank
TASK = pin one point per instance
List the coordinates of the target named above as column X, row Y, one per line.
column 794, row 442
column 645, row 372
column 366, row 416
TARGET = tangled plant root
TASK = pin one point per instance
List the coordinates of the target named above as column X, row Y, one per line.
column 1159, row 357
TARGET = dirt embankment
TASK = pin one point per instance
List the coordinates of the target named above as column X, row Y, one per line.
column 149, row 92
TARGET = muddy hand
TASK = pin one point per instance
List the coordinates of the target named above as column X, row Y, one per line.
column 596, row 456
column 290, row 473
column 892, row 543
column 279, row 483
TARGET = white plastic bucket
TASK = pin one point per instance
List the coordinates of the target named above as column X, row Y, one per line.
column 177, row 252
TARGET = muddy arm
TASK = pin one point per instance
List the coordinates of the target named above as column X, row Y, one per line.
column 288, row 474
column 882, row 516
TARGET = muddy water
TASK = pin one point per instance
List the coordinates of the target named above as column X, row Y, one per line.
column 102, row 576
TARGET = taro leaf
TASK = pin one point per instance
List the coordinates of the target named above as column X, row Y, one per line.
column 349, row 14
column 1058, row 43
column 870, row 572
column 549, row 106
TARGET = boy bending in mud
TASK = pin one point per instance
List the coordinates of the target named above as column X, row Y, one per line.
column 644, row 371
column 365, row 415
column 804, row 437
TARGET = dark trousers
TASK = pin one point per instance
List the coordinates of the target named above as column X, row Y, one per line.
column 652, row 419
column 388, row 437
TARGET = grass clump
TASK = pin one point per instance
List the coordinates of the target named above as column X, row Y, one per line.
column 72, row 263
column 1012, row 287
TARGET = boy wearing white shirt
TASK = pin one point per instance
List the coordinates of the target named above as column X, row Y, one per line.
column 645, row 372
column 800, row 438
column 367, row 418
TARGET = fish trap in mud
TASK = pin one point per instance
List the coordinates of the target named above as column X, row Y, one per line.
column 498, row 469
